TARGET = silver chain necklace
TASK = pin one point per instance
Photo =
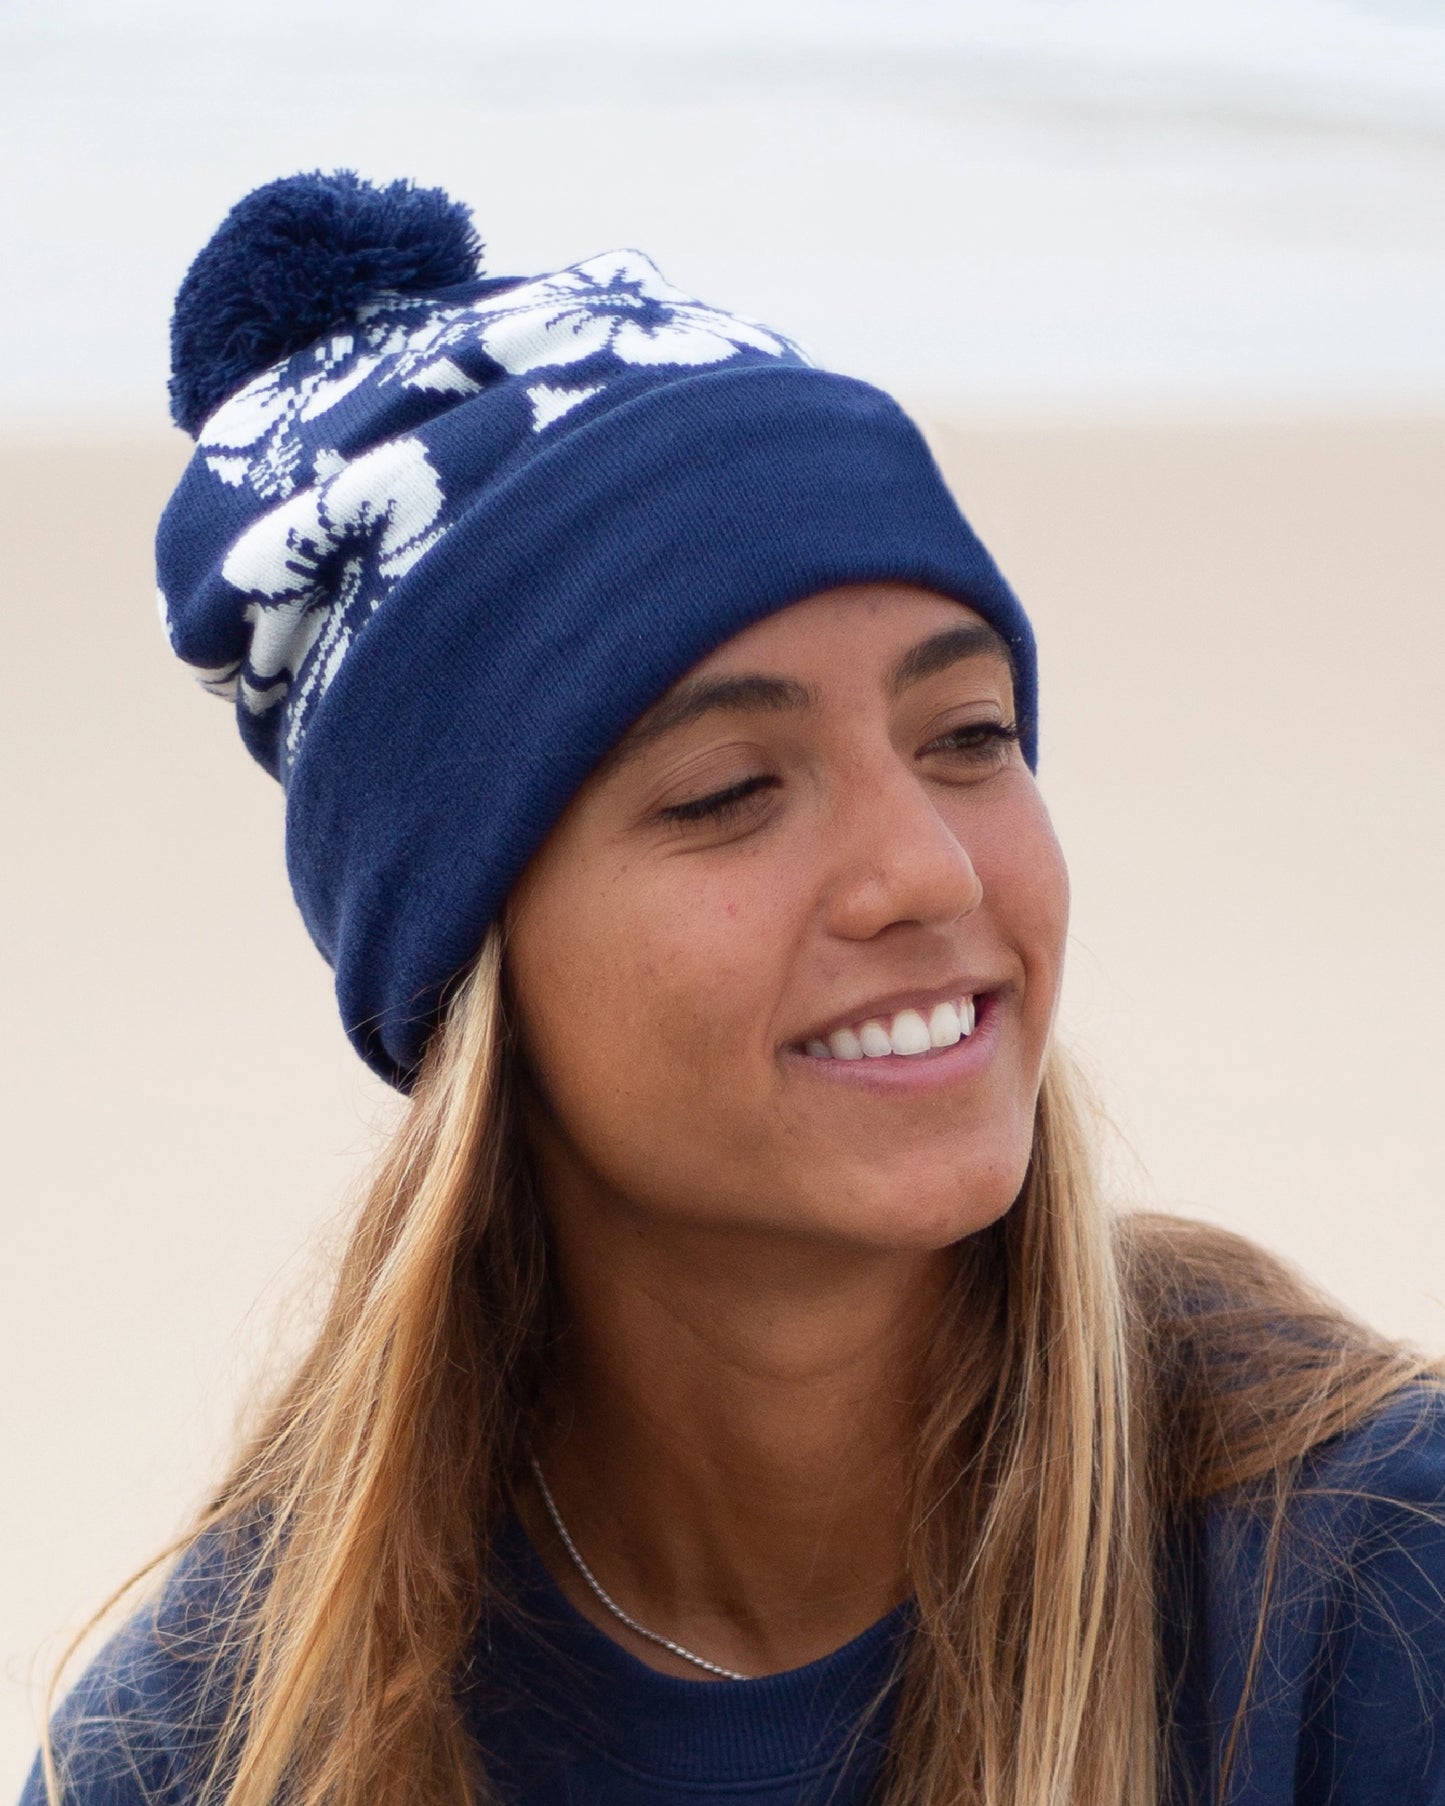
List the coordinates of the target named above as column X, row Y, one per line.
column 605, row 1598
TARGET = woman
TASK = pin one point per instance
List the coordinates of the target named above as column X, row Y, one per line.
column 733, row 1388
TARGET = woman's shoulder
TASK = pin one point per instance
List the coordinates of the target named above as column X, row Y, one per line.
column 1369, row 1521
column 143, row 1719
column 1373, row 1489
column 1388, row 1466
column 1312, row 1637
column 1381, row 1489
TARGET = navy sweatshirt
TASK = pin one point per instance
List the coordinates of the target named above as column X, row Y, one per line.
column 1346, row 1708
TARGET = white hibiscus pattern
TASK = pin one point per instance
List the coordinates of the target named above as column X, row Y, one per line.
column 317, row 567
column 339, row 531
column 258, row 436
column 618, row 304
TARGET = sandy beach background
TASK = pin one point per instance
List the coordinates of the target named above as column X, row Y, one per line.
column 1180, row 357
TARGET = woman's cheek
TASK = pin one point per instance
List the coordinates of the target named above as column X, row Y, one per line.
column 1026, row 883
column 652, row 996
column 712, row 948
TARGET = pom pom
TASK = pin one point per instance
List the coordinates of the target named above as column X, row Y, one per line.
column 296, row 257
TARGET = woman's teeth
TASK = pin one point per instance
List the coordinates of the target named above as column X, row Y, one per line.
column 909, row 1032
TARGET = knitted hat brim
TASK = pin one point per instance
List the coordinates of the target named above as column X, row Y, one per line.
column 483, row 693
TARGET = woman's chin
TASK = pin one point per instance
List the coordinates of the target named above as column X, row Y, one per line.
column 905, row 1212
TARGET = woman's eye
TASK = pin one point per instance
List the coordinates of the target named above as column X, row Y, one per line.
column 721, row 806
column 978, row 744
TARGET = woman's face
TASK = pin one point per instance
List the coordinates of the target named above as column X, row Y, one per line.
column 822, row 842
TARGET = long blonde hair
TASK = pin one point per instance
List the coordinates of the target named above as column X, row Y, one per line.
column 1074, row 1399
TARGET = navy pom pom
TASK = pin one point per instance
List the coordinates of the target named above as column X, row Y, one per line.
column 295, row 257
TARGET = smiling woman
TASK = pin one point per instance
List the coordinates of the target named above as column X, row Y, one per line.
column 733, row 1385
column 826, row 833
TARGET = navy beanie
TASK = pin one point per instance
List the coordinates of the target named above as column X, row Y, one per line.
column 445, row 538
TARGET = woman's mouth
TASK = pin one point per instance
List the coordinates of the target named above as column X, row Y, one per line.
column 905, row 1034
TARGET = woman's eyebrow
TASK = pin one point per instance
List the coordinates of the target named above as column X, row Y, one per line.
column 699, row 696
column 973, row 640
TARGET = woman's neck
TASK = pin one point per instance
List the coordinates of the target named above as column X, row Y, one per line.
column 727, row 1435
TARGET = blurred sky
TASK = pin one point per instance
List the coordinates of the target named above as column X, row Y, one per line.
column 1006, row 206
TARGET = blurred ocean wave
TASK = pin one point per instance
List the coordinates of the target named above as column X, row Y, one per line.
column 1341, row 46
column 1012, row 204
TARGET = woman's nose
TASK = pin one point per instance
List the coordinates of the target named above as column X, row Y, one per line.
column 896, row 859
